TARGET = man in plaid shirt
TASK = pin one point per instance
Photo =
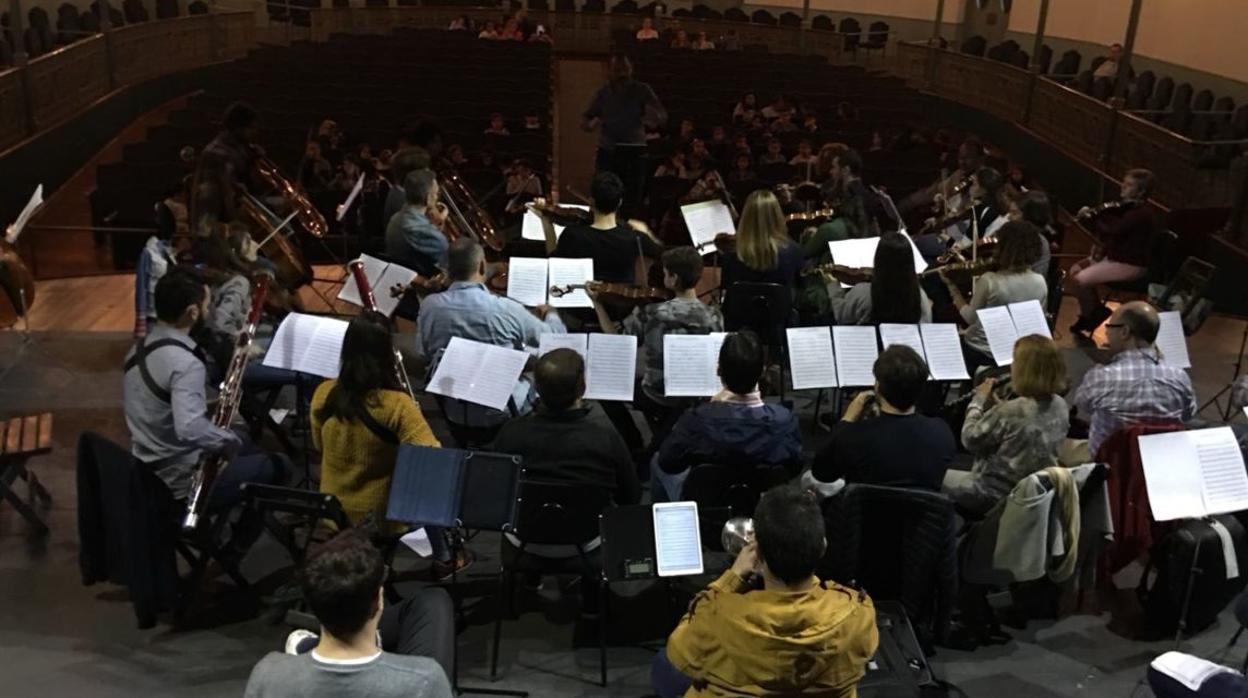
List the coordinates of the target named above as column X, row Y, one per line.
column 1135, row 386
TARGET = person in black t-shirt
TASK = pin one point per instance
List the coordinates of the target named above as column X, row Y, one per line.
column 899, row 448
column 613, row 247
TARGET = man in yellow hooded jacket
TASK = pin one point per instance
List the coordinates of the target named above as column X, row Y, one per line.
column 795, row 636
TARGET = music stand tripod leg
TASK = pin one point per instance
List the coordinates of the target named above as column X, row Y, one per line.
column 1239, row 366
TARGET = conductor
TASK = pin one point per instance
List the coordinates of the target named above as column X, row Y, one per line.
column 623, row 108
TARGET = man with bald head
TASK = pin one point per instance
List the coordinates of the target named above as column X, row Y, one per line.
column 1135, row 386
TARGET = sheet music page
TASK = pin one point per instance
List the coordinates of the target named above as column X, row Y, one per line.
column 308, row 344
column 1224, row 482
column 36, row 200
column 549, row 341
column 1029, row 318
column 373, row 269
column 705, row 220
column 1171, row 341
column 454, row 374
column 854, row 252
column 677, row 539
column 531, row 226
column 564, row 272
column 943, row 348
column 811, row 363
column 394, row 275
column 999, row 328
column 907, row 335
column 1172, row 476
column 526, row 280
column 920, row 264
column 691, row 364
column 1188, row 670
column 496, row 376
column 343, row 207
column 611, row 371
column 856, row 351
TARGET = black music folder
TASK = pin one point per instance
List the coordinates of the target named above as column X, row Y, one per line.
column 451, row 487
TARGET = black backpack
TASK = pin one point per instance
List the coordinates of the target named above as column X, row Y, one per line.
column 1211, row 591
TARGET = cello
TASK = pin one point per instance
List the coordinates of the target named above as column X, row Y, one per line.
column 17, row 285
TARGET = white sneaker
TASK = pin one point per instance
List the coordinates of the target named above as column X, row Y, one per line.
column 300, row 641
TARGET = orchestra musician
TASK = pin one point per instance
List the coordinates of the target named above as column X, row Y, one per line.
column 166, row 410
column 763, row 251
column 224, row 165
column 683, row 314
column 957, row 231
column 1034, row 208
column 1126, row 240
column 1014, row 281
column 404, row 162
column 469, row 310
column 892, row 295
column 970, row 160
column 414, row 236
column 622, row 109
column 850, row 203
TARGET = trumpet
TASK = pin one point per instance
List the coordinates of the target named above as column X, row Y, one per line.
column 211, row 465
column 370, row 304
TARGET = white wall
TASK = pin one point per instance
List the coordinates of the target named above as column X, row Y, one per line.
column 1204, row 35
column 910, row 9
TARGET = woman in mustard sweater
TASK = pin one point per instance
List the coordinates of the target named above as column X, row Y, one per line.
column 358, row 422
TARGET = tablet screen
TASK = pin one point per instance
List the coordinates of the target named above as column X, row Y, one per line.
column 677, row 539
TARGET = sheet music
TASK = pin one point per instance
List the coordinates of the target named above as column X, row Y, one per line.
column 479, row 373
column 705, row 220
column 1188, row 670
column 531, row 226
column 906, row 335
column 1171, row 341
column 811, row 363
column 920, row 264
column 526, row 280
column 1223, row 480
column 36, row 200
column 854, row 252
column 999, row 328
column 1029, row 319
column 691, row 364
column 308, row 344
column 611, row 371
column 549, row 341
column 677, row 539
column 856, row 351
column 345, row 206
column 1171, row 475
column 943, row 348
column 381, row 276
column 373, row 269
column 564, row 272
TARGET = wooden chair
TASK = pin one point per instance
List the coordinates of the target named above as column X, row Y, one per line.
column 21, row 438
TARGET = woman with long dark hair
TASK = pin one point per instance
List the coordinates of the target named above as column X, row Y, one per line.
column 892, row 295
column 358, row 421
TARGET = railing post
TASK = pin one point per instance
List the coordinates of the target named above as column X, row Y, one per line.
column 106, row 31
column 1036, row 47
column 934, row 44
column 1128, row 49
column 21, row 61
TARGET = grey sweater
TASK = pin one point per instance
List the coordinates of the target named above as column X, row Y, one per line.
column 385, row 676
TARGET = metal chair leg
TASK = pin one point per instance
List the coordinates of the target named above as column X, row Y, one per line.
column 604, row 594
column 504, row 582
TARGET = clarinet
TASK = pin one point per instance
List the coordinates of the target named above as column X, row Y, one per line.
column 370, row 303
column 211, row 465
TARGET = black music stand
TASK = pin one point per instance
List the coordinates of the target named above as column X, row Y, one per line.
column 452, row 488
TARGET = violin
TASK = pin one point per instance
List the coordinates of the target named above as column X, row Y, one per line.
column 974, row 267
column 842, row 273
column 939, row 224
column 422, row 285
column 962, row 186
column 1105, row 207
column 617, row 292
column 724, row 242
column 816, row 215
column 560, row 215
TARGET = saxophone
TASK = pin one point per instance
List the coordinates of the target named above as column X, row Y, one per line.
column 211, row 464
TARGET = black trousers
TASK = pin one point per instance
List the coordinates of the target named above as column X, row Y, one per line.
column 627, row 162
column 422, row 625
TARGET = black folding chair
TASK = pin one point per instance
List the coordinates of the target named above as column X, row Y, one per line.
column 765, row 309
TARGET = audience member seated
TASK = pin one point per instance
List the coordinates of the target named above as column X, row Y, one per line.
column 567, row 440
column 496, row 127
column 469, row 310
column 647, row 31
column 681, row 40
column 613, row 247
column 366, row 648
column 414, row 236
column 805, row 155
column 735, row 428
column 489, row 31
column 774, row 154
column 743, row 171
column 763, row 251
column 892, row 295
column 358, row 422
column 1014, row 281
column 899, row 448
column 1015, row 438
column 1109, row 67
column 683, row 314
column 796, row 635
column 1128, row 236
column 1135, row 386
column 745, row 109
column 166, row 409
column 702, row 43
